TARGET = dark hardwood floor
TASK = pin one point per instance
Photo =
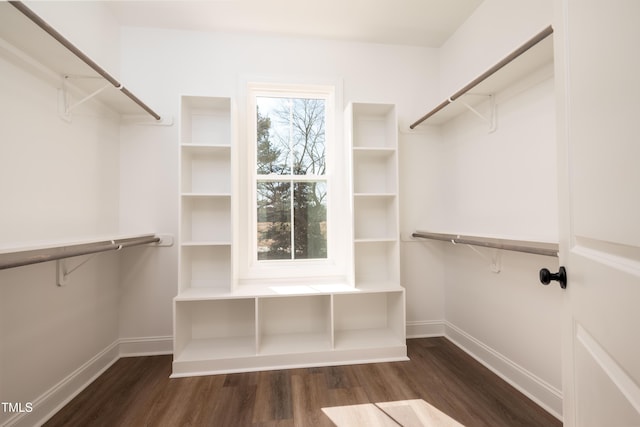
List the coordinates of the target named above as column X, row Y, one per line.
column 138, row 392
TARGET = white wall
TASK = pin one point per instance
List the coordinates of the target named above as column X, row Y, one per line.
column 161, row 65
column 148, row 201
column 89, row 25
column 500, row 184
column 422, row 263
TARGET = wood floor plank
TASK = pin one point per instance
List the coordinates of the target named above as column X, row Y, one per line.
column 273, row 398
column 310, row 395
column 138, row 392
column 234, row 406
column 347, row 396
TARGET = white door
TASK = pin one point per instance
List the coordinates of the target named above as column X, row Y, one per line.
column 598, row 83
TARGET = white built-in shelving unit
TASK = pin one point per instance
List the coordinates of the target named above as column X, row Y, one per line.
column 223, row 327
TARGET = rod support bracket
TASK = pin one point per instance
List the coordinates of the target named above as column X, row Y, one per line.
column 63, row 272
column 490, row 119
column 65, row 107
column 495, row 261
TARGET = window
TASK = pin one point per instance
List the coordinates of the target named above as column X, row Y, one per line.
column 294, row 224
column 291, row 181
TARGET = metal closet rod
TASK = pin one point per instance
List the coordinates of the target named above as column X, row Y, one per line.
column 488, row 243
column 84, row 58
column 509, row 58
column 20, row 258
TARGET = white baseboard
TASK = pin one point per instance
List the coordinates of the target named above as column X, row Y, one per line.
column 536, row 389
column 146, row 346
column 425, row 328
column 50, row 402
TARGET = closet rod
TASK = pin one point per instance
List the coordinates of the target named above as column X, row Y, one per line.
column 77, row 52
column 550, row 250
column 509, row 58
column 34, row 256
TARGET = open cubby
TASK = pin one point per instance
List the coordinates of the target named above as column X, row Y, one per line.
column 206, row 266
column 215, row 329
column 374, row 171
column 376, row 263
column 375, row 218
column 369, row 320
column 295, row 324
column 205, row 121
column 206, row 219
column 374, row 125
column 206, row 170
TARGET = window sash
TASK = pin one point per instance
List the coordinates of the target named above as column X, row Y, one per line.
column 283, row 227
column 292, row 132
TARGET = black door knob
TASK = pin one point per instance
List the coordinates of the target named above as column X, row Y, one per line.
column 561, row 276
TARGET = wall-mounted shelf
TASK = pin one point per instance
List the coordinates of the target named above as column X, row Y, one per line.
column 531, row 56
column 527, row 246
column 30, row 40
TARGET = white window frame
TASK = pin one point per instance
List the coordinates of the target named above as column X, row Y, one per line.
column 332, row 269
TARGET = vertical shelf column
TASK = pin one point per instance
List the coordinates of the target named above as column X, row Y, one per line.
column 374, row 142
column 205, row 196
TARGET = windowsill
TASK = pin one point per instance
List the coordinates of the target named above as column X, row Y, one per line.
column 305, row 272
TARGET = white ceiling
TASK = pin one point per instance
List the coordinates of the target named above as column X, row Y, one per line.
column 410, row 22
